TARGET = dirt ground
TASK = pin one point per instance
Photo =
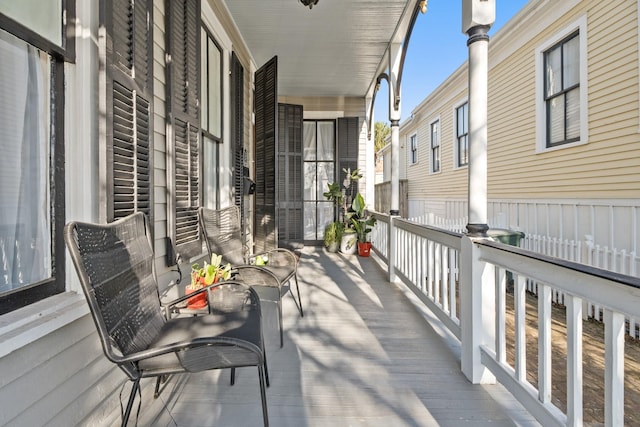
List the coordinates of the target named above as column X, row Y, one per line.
column 593, row 363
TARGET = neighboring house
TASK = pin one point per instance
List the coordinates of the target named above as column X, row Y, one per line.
column 117, row 106
column 563, row 128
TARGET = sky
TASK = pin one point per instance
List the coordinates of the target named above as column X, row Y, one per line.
column 436, row 49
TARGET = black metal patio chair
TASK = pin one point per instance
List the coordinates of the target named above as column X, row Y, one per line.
column 115, row 264
column 223, row 236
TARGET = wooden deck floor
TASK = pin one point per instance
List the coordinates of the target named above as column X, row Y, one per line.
column 363, row 355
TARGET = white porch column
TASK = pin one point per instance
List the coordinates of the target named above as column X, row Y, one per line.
column 395, row 55
column 477, row 312
column 370, row 173
column 477, row 289
column 477, row 18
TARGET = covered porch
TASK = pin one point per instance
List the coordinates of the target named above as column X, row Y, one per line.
column 366, row 353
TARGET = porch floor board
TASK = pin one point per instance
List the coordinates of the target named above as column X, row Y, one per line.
column 363, row 355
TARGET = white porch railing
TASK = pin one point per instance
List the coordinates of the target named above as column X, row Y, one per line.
column 463, row 281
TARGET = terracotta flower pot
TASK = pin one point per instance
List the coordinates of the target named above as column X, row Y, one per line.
column 200, row 300
column 364, row 248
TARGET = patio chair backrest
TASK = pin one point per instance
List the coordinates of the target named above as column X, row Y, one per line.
column 222, row 233
column 115, row 266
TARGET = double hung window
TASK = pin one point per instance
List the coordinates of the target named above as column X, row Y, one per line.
column 562, row 91
column 413, row 142
column 462, row 135
column 33, row 49
column 211, row 116
column 435, row 146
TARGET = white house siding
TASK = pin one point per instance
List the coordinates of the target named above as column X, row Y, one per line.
column 568, row 192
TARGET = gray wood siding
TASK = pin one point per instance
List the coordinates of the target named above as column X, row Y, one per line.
column 62, row 379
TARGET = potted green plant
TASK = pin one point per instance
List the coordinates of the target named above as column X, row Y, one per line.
column 362, row 224
column 205, row 276
column 342, row 198
column 333, row 235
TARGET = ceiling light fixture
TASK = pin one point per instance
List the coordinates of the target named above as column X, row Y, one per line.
column 309, row 3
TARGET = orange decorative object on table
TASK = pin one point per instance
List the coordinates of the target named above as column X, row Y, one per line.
column 205, row 276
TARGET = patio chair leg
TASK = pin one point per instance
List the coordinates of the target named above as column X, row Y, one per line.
column 132, row 398
column 280, row 320
column 162, row 379
column 299, row 303
column 266, row 369
column 233, row 376
column 263, row 395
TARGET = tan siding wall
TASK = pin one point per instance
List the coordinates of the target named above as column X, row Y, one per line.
column 607, row 167
column 451, row 181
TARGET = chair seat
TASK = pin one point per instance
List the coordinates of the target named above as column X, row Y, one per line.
column 283, row 273
column 235, row 326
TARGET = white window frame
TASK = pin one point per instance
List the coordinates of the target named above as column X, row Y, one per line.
column 431, row 159
column 225, row 178
column 413, row 149
column 456, row 164
column 579, row 25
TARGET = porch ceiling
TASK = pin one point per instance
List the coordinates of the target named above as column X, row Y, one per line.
column 335, row 49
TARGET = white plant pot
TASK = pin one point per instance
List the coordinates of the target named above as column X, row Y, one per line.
column 348, row 245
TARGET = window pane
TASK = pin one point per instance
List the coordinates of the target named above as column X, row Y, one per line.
column 310, row 220
column 571, row 59
column 215, row 98
column 309, row 140
column 25, row 217
column 326, row 141
column 573, row 114
column 463, row 150
column 435, row 136
column 325, row 216
column 310, row 181
column 43, row 17
column 210, row 74
column 204, row 84
column 325, row 176
column 462, row 124
column 556, row 119
column 553, row 72
column 210, row 173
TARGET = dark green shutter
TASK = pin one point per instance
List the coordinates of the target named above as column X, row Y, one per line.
column 237, row 132
column 266, row 110
column 290, row 179
column 183, row 114
column 348, row 143
column 127, row 100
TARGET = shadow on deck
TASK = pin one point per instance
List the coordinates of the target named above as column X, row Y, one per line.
column 365, row 354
